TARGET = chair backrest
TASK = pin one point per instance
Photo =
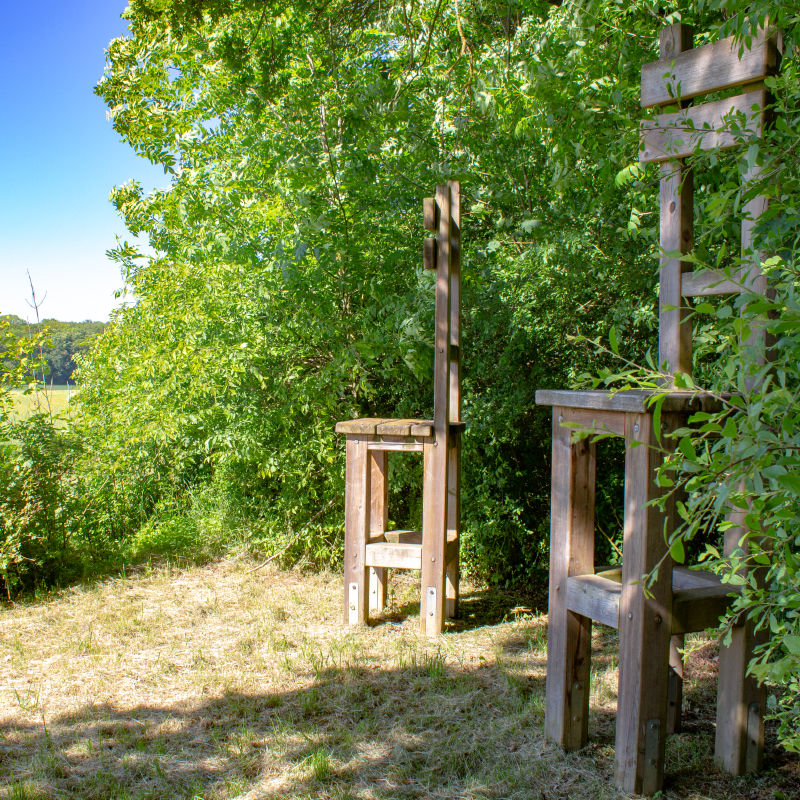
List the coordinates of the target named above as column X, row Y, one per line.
column 720, row 124
column 443, row 215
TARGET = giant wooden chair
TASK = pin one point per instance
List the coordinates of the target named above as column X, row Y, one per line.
column 369, row 548
column 681, row 600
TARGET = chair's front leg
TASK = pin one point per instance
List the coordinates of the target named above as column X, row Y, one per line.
column 644, row 621
column 453, row 575
column 356, row 529
column 569, row 635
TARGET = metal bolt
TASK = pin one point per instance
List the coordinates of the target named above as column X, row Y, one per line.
column 441, row 350
column 560, row 418
column 576, row 719
column 652, row 761
column 352, row 608
column 436, row 444
column 658, row 619
column 672, row 207
column 636, row 428
column 558, row 586
column 433, row 558
column 630, row 615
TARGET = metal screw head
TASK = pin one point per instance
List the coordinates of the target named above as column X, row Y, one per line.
column 630, row 615
column 433, row 558
column 636, row 428
column 441, row 350
column 658, row 619
column 560, row 418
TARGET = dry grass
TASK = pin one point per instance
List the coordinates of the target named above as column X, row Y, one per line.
column 220, row 683
column 54, row 400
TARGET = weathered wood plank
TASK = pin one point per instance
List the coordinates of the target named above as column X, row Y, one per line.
column 397, row 447
column 644, row 622
column 719, row 125
column 676, row 209
column 708, row 283
column 699, row 608
column 709, row 68
column 410, row 537
column 571, row 553
column 595, row 597
column 397, row 555
column 634, row 401
column 429, row 254
column 367, row 425
column 430, row 214
column 357, row 504
column 395, row 427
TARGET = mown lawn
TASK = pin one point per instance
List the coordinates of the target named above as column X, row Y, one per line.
column 222, row 682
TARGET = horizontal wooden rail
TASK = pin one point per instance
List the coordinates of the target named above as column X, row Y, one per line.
column 709, row 68
column 711, row 126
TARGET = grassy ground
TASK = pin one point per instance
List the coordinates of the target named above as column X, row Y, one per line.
column 54, row 400
column 219, row 682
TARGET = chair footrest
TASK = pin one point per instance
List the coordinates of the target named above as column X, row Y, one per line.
column 402, row 551
column 699, row 599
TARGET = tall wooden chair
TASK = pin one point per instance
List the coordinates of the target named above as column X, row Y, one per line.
column 369, row 548
column 681, row 600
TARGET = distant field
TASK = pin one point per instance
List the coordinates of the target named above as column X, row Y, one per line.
column 57, row 399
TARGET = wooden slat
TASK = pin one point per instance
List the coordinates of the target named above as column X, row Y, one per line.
column 686, row 578
column 569, row 634
column 600, row 421
column 709, row 68
column 429, row 253
column 699, row 608
column 595, row 597
column 634, row 401
column 430, row 214
column 644, row 621
column 408, row 537
column 367, row 425
column 705, row 284
column 394, row 554
column 395, row 427
column 412, row 446
column 707, row 127
column 357, row 504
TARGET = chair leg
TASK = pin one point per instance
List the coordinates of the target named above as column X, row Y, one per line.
column 434, row 539
column 453, row 575
column 378, row 520
column 675, row 688
column 569, row 635
column 741, row 702
column 356, row 530
column 644, row 622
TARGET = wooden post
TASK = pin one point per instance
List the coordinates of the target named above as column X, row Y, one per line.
column 741, row 702
column 378, row 520
column 434, row 519
column 675, row 688
column 454, row 357
column 569, row 635
column 676, row 201
column 356, row 529
column 453, row 575
column 644, row 622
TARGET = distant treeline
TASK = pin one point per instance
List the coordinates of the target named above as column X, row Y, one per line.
column 66, row 340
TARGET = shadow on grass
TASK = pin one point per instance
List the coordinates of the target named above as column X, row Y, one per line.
column 422, row 727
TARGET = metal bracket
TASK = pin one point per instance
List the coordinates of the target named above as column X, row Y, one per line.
column 352, row 605
column 651, row 777
column 430, row 610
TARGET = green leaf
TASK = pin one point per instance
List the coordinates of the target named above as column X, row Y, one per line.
column 686, row 447
column 612, row 338
column 677, row 552
column 792, row 644
column 790, row 482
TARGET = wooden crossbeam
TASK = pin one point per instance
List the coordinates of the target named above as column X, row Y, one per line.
column 709, row 68
column 710, row 126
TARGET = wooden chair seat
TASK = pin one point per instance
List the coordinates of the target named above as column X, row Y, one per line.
column 373, row 426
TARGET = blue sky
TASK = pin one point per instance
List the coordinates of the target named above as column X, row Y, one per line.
column 60, row 159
